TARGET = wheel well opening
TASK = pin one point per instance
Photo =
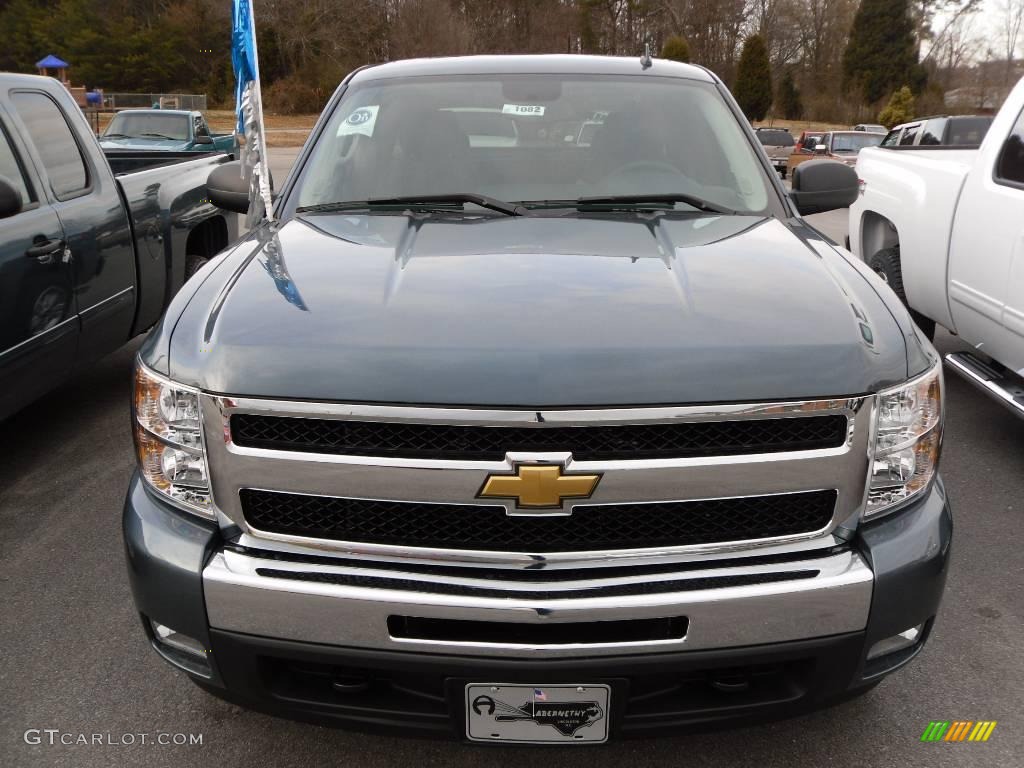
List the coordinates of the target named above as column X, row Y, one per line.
column 208, row 238
column 877, row 232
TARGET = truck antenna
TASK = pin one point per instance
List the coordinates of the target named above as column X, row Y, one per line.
column 645, row 60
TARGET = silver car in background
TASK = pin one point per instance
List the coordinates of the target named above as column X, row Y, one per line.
column 779, row 145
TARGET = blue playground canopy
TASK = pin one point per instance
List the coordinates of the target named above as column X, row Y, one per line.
column 52, row 62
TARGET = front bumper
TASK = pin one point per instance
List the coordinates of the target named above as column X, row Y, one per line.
column 321, row 649
column 780, row 603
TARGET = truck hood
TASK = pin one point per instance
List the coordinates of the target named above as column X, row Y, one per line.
column 537, row 311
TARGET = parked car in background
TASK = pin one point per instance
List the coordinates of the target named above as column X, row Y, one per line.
column 870, row 128
column 173, row 130
column 838, row 145
column 943, row 227
column 940, row 131
column 532, row 442
column 807, row 141
column 779, row 145
column 88, row 258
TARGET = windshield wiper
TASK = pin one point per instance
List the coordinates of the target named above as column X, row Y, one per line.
column 491, row 203
column 638, row 201
column 160, row 136
column 115, row 136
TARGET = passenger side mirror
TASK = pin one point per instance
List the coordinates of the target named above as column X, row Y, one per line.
column 823, row 185
column 228, row 187
column 820, row 149
column 10, row 199
column 204, row 139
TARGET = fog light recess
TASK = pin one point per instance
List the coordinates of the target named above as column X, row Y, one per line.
column 906, row 639
column 181, row 650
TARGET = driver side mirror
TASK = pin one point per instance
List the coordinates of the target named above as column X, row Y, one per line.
column 820, row 149
column 203, row 139
column 10, row 199
column 823, row 185
column 228, row 186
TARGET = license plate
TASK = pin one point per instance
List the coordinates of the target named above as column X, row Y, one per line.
column 528, row 714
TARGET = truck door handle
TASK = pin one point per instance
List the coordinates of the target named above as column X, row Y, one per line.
column 45, row 251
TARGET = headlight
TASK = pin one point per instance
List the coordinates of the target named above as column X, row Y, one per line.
column 908, row 435
column 169, row 441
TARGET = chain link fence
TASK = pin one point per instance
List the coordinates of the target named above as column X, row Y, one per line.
column 195, row 101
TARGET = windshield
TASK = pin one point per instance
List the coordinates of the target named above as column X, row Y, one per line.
column 855, row 142
column 145, row 125
column 534, row 138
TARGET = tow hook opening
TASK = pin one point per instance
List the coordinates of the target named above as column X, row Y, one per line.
column 737, row 683
column 350, row 684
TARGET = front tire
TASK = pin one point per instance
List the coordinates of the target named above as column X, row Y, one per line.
column 193, row 264
column 886, row 264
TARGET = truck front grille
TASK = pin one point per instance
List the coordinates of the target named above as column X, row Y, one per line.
column 588, row 528
column 400, row 483
column 491, row 443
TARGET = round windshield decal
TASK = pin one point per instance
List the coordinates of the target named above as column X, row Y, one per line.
column 360, row 116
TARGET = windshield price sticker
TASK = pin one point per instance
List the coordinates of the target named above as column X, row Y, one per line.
column 524, row 110
column 361, row 121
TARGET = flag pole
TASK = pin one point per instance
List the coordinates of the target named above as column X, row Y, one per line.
column 264, row 171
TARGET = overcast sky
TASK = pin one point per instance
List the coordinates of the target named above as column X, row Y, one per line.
column 986, row 26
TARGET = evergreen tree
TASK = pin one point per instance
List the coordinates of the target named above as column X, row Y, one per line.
column 788, row 100
column 23, row 35
column 754, row 79
column 676, row 48
column 900, row 108
column 881, row 54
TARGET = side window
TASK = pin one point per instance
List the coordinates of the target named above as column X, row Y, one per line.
column 11, row 169
column 891, row 138
column 909, row 135
column 931, row 133
column 55, row 143
column 1010, row 163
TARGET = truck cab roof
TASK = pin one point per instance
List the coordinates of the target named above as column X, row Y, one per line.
column 532, row 64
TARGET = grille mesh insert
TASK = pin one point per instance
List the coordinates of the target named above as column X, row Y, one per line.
column 594, row 443
column 591, row 527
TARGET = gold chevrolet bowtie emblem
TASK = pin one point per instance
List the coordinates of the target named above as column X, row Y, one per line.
column 536, row 487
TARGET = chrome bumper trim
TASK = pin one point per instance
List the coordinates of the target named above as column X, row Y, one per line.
column 837, row 600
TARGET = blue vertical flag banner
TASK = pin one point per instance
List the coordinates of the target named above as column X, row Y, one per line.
column 249, row 109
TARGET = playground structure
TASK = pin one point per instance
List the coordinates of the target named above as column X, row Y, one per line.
column 96, row 101
column 56, row 67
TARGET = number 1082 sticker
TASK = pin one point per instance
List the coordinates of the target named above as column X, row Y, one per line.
column 527, row 110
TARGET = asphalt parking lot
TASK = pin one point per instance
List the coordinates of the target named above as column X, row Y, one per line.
column 75, row 658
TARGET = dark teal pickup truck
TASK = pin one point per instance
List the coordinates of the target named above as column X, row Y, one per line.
column 93, row 244
column 170, row 130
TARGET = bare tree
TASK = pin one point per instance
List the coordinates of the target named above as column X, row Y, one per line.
column 1012, row 18
column 714, row 29
column 954, row 48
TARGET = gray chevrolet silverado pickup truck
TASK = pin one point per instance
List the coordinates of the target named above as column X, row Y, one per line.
column 497, row 435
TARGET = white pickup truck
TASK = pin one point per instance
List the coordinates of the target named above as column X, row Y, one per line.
column 944, row 227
